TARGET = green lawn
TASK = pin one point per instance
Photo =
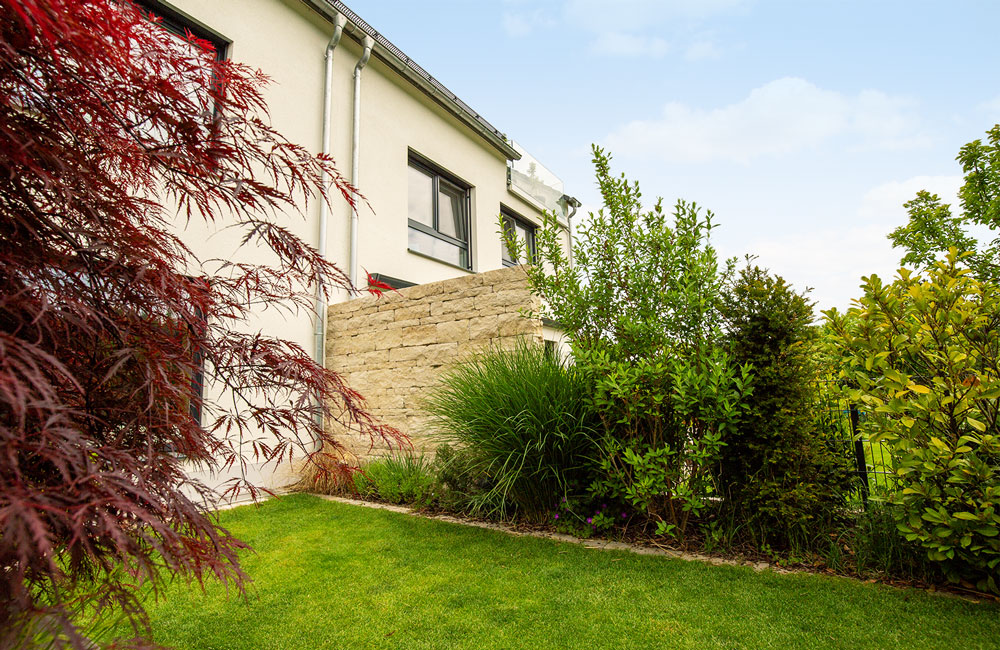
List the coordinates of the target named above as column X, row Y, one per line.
column 329, row 575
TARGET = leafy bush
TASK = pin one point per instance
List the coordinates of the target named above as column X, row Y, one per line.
column 667, row 473
column 584, row 517
column 402, row 479
column 642, row 282
column 924, row 353
column 457, row 483
column 522, row 417
column 779, row 472
column 640, row 304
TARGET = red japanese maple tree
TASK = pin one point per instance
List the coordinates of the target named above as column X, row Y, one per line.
column 114, row 134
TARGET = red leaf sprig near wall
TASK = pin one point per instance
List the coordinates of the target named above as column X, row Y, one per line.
column 113, row 135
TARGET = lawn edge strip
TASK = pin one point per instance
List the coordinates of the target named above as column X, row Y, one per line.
column 597, row 544
column 638, row 549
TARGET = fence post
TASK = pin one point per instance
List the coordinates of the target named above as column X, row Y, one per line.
column 859, row 453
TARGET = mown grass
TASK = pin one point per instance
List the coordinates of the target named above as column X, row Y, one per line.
column 328, row 575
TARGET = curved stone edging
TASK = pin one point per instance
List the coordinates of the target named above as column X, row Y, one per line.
column 600, row 544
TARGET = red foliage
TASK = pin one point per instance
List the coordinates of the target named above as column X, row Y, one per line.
column 376, row 286
column 106, row 316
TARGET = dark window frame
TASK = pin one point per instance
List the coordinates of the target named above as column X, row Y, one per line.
column 438, row 175
column 179, row 24
column 506, row 214
column 395, row 283
column 198, row 377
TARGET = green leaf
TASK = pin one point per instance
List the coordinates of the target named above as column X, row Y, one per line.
column 976, row 424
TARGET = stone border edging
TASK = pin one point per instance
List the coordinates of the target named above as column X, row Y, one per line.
column 601, row 544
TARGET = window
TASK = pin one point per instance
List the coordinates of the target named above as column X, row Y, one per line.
column 198, row 376
column 177, row 24
column 438, row 208
column 523, row 232
column 200, row 82
column 388, row 280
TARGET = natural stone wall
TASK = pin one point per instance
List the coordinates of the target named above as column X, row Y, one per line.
column 392, row 349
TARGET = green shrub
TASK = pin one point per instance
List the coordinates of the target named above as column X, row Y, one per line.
column 642, row 281
column 784, row 478
column 687, row 407
column 924, row 353
column 584, row 517
column 640, row 304
column 522, row 419
column 457, row 483
column 403, row 479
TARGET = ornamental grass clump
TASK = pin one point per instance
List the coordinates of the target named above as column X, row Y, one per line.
column 521, row 416
column 401, row 479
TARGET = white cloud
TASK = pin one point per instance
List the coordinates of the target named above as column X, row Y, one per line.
column 884, row 203
column 991, row 108
column 522, row 23
column 702, row 51
column 830, row 261
column 635, row 15
column 632, row 45
column 627, row 28
column 783, row 116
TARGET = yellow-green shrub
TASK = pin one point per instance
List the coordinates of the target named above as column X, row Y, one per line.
column 924, row 354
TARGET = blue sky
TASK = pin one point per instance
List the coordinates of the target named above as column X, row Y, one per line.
column 802, row 125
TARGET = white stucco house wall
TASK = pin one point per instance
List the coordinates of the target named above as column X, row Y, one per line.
column 435, row 175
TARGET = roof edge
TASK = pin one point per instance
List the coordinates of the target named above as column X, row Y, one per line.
column 416, row 75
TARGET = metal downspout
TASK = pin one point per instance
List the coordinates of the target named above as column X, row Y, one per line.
column 574, row 203
column 324, row 208
column 369, row 42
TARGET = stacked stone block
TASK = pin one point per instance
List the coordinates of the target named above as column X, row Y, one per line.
column 394, row 348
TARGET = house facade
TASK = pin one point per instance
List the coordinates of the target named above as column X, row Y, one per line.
column 434, row 175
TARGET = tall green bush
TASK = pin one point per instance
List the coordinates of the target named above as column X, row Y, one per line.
column 522, row 419
column 780, row 474
column 924, row 354
column 640, row 304
column 643, row 281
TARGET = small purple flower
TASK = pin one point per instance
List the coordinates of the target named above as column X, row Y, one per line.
column 623, row 516
column 590, row 520
column 604, row 506
column 557, row 515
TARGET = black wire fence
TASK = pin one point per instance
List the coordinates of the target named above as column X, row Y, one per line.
column 849, row 429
